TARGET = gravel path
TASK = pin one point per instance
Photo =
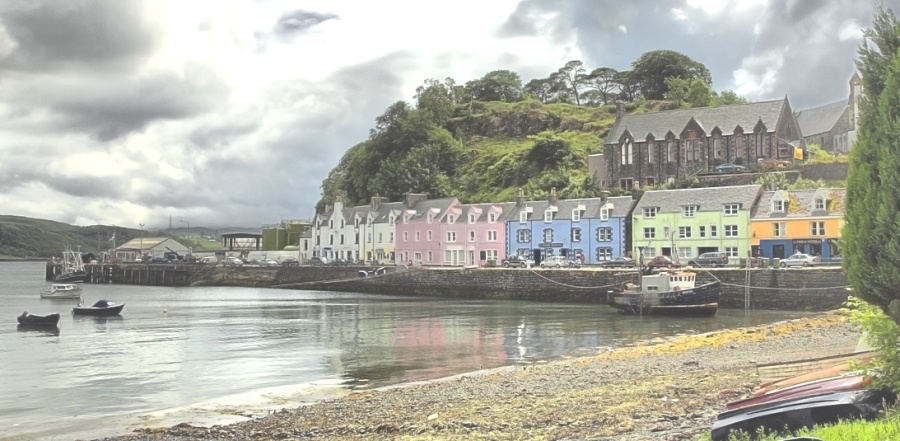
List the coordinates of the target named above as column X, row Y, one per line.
column 669, row 389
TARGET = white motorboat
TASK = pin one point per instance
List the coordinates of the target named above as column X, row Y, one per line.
column 62, row 291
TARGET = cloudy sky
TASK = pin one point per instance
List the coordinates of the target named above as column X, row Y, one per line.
column 230, row 113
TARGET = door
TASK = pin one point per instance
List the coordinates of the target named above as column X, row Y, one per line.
column 778, row 251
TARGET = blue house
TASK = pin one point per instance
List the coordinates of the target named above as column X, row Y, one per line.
column 592, row 229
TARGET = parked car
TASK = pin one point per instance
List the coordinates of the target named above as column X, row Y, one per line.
column 618, row 262
column 267, row 262
column 158, row 259
column 560, row 262
column 290, row 261
column 729, row 168
column 663, row 262
column 713, row 259
column 318, row 261
column 800, row 259
column 233, row 261
column 517, row 261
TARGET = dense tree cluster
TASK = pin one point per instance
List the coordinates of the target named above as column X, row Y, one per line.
column 422, row 147
column 869, row 238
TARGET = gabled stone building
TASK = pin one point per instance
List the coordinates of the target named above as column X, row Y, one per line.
column 833, row 126
column 655, row 148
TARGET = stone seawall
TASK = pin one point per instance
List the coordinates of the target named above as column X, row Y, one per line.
column 813, row 289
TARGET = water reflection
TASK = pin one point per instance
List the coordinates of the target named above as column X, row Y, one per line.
column 37, row 329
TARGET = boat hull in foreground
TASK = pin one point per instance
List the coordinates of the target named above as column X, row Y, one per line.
column 700, row 301
column 102, row 308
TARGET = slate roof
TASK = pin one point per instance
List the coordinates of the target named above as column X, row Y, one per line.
column 422, row 207
column 726, row 118
column 621, row 208
column 706, row 199
column 821, row 119
column 506, row 208
column 800, row 203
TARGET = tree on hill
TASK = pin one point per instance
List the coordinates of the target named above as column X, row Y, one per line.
column 603, row 79
column 652, row 69
column 870, row 240
column 571, row 77
column 498, row 85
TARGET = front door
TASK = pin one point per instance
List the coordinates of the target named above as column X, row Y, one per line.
column 778, row 251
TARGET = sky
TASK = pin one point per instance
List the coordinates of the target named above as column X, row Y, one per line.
column 230, row 113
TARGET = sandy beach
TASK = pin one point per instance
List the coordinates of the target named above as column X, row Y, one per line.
column 669, row 389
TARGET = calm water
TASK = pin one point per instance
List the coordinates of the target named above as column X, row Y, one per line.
column 189, row 354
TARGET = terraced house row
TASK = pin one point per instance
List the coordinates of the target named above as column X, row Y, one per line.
column 741, row 221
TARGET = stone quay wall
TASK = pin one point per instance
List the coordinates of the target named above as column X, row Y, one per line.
column 800, row 289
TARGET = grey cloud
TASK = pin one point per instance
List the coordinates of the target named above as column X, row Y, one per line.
column 299, row 21
column 53, row 35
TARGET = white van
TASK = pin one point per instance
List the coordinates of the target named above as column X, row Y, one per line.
column 209, row 259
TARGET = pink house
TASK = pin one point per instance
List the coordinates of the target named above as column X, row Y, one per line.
column 443, row 232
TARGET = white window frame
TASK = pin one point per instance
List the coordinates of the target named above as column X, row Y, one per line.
column 472, row 236
column 471, row 218
column 492, row 217
column 684, row 253
column 779, row 229
column 576, row 234
column 684, row 232
column 778, row 206
column 649, row 232
column 418, row 236
column 451, row 236
column 523, row 217
column 702, row 231
column 604, row 253
column 732, row 209
column 429, row 236
column 713, row 231
column 731, row 231
column 523, row 235
column 548, row 216
column 604, row 234
column 817, row 228
column 650, row 212
column 492, row 235
column 406, row 236
column 576, row 215
column 548, row 235
column 732, row 252
column 820, row 203
column 689, row 211
column 604, row 214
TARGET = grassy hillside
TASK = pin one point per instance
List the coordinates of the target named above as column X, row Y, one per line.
column 27, row 238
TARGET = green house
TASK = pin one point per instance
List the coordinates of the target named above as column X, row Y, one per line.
column 688, row 222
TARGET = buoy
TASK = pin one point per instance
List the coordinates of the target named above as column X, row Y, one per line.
column 165, row 311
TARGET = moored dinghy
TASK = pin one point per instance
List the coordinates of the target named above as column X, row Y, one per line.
column 48, row 320
column 100, row 308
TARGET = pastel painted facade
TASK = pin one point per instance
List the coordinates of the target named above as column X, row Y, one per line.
column 379, row 230
column 484, row 228
column 595, row 228
column 806, row 221
column 420, row 232
column 688, row 222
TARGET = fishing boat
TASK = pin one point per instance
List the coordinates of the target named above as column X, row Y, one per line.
column 48, row 320
column 671, row 292
column 62, row 291
column 72, row 269
column 100, row 308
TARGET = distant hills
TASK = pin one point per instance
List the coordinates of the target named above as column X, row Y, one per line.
column 28, row 238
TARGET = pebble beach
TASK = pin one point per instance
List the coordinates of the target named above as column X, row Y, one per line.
column 668, row 389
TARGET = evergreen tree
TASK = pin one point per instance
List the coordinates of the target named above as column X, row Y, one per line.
column 870, row 237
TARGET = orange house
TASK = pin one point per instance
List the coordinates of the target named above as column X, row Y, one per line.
column 785, row 222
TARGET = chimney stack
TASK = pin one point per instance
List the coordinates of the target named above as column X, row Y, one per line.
column 520, row 198
column 553, row 199
column 604, row 195
column 620, row 110
column 411, row 199
column 636, row 191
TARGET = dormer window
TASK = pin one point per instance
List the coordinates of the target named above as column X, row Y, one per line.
column 492, row 217
column 548, row 216
column 689, row 211
column 342, row 223
column 576, row 215
column 778, row 205
column 472, row 218
column 732, row 209
column 331, row 224
column 604, row 213
column 430, row 217
column 450, row 219
column 650, row 212
column 523, row 217
column 820, row 203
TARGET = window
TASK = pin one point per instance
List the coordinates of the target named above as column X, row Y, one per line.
column 778, row 205
column 381, row 236
column 492, row 217
column 684, row 253
column 667, row 233
column 649, row 232
column 451, row 219
column 492, row 235
column 627, row 152
column 417, row 236
column 650, row 153
column 713, row 231
column 626, row 183
column 548, row 235
column 702, row 231
column 576, row 215
column 428, row 234
column 548, row 216
column 651, row 181
column 604, row 214
column 731, row 209
column 817, row 228
column 523, row 236
column 576, row 234
column 689, row 211
column 731, row 251
column 671, row 151
column 471, row 218
column 692, row 149
column 684, row 232
column 491, row 254
column 731, row 230
column 649, row 252
column 331, row 239
column 718, row 151
column 369, row 238
column 820, row 203
column 760, row 148
column 738, row 146
column 779, row 229
column 430, row 257
column 650, row 212
column 604, row 234
column 406, row 236
column 390, row 237
column 604, row 253
column 523, row 217
column 451, row 236
column 331, row 224
column 342, row 223
column 471, row 236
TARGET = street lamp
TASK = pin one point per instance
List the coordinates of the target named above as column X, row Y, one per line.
column 141, row 254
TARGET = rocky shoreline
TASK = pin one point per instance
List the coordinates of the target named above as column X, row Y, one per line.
column 669, row 389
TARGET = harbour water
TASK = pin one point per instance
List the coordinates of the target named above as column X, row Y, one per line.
column 218, row 355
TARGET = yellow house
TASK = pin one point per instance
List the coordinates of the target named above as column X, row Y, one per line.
column 785, row 222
